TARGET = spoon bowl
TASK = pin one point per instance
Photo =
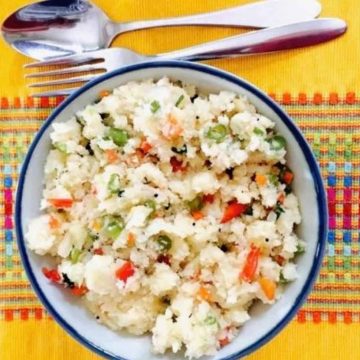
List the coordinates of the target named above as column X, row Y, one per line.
column 56, row 28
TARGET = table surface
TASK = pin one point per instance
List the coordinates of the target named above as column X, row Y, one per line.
column 319, row 87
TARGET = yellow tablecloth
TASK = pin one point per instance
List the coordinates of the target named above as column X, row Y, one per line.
column 320, row 88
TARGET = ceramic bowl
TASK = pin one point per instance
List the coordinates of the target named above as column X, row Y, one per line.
column 266, row 321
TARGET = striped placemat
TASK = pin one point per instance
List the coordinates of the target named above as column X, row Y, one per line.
column 331, row 124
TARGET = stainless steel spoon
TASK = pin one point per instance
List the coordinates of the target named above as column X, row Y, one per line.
column 65, row 27
column 283, row 37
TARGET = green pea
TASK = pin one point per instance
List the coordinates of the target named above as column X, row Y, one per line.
column 114, row 183
column 277, row 142
column 164, row 242
column 118, row 136
column 217, row 133
column 114, row 227
column 75, row 255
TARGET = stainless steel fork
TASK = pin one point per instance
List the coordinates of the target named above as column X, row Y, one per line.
column 256, row 42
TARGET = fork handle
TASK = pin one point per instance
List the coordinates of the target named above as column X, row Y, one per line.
column 263, row 41
column 259, row 15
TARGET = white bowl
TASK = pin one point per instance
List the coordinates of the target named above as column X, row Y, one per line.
column 266, row 321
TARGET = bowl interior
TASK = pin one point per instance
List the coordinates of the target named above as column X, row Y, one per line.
column 266, row 321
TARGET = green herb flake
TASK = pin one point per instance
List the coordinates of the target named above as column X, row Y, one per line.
column 179, row 100
column 300, row 249
column 278, row 210
column 273, row 179
column 283, row 280
column 155, row 106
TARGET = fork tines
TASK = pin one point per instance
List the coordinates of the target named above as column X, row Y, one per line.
column 64, row 71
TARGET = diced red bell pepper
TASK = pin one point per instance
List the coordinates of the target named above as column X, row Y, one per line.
column 288, row 177
column 233, row 210
column 164, row 258
column 145, row 147
column 51, row 274
column 177, row 165
column 249, row 270
column 61, row 203
column 99, row 251
column 125, row 271
column 208, row 198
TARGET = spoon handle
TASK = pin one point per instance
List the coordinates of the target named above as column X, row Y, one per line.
column 263, row 41
column 259, row 15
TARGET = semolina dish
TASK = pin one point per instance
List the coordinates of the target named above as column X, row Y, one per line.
column 170, row 212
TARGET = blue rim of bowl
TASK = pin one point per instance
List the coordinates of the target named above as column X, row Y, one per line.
column 310, row 159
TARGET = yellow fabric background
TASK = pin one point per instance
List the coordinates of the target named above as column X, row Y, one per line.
column 331, row 67
column 325, row 68
column 45, row 340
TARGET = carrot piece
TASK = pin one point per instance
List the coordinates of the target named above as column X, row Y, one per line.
column 125, row 271
column 204, row 294
column 103, row 93
column 234, row 209
column 111, row 156
column 251, row 263
column 197, row 215
column 288, row 177
column 61, row 203
column 172, row 129
column 79, row 290
column 208, row 198
column 145, row 147
column 268, row 287
column 281, row 198
column 54, row 223
column 279, row 260
column 224, row 341
column 131, row 239
column 261, row 179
